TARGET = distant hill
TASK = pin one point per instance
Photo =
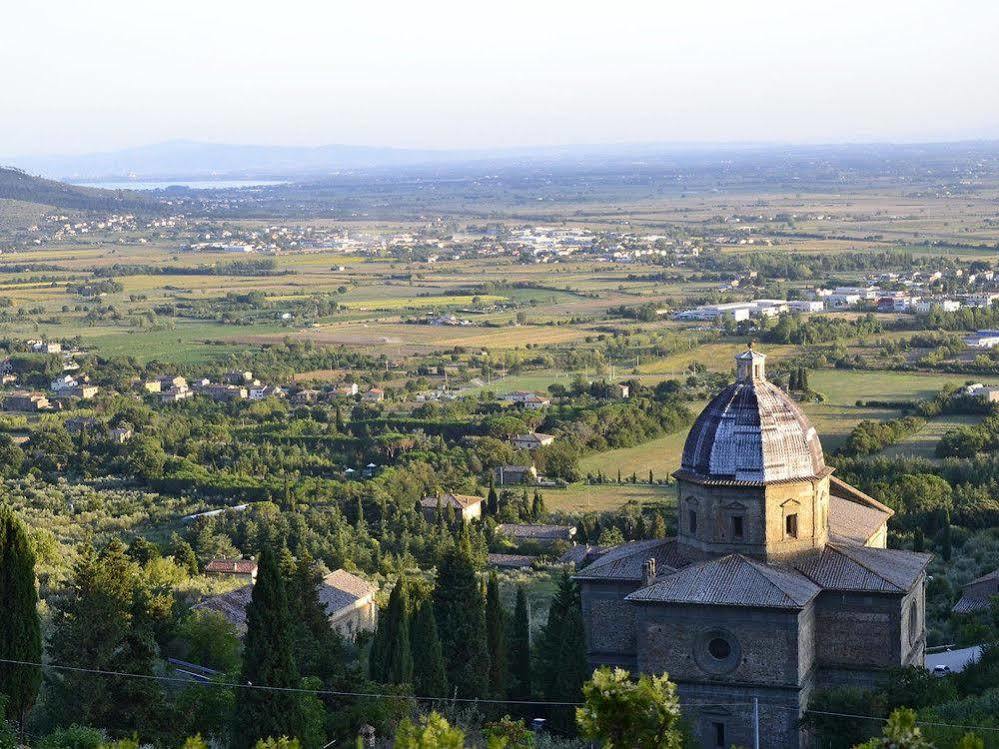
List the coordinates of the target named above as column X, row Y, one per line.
column 21, row 186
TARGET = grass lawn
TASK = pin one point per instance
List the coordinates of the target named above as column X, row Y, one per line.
column 661, row 456
column 839, row 413
column 591, row 498
column 923, row 443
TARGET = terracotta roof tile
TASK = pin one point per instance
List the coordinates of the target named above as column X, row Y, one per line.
column 627, row 562
column 732, row 580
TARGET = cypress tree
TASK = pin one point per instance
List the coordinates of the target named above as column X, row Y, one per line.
column 429, row 678
column 561, row 648
column 461, row 622
column 918, row 540
column 496, row 638
column 520, row 649
column 803, row 379
column 20, row 632
column 318, row 649
column 268, row 659
column 395, row 661
column 492, row 499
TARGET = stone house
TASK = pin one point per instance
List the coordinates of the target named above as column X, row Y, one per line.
column 466, row 506
column 532, row 440
column 977, row 595
column 240, row 569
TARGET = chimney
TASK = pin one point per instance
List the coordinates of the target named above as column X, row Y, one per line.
column 648, row 572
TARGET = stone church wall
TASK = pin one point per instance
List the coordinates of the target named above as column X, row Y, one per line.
column 763, row 643
column 609, row 622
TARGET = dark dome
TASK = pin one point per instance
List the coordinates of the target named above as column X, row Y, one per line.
column 752, row 431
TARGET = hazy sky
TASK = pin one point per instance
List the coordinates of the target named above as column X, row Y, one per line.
column 82, row 76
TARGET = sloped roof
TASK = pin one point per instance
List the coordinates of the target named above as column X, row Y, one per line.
column 862, row 568
column 971, row 605
column 231, row 605
column 232, row 566
column 994, row 575
column 457, row 501
column 537, row 531
column 839, row 488
column 732, row 580
column 341, row 589
column 853, row 522
column 627, row 561
column 752, row 432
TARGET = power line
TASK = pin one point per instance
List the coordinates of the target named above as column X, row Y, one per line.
column 322, row 692
column 335, row 693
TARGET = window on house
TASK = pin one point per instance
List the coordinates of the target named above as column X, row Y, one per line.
column 692, row 524
column 719, row 734
column 791, row 525
column 737, row 526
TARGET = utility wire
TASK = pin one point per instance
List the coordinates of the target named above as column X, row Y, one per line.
column 335, row 693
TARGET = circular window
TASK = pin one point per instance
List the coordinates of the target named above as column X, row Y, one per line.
column 719, row 648
column 717, row 651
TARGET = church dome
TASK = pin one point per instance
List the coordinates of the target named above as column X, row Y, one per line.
column 752, row 432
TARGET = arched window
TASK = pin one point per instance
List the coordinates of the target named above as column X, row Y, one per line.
column 914, row 627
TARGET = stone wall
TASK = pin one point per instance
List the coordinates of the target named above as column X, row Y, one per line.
column 609, row 622
column 706, row 706
column 857, row 631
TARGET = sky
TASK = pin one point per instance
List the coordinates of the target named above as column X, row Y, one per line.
column 91, row 76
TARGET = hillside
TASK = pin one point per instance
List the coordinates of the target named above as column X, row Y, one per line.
column 20, row 186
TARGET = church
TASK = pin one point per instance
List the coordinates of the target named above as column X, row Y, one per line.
column 778, row 582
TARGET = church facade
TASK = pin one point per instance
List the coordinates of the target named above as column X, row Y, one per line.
column 777, row 583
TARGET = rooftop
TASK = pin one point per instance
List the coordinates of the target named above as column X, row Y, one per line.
column 733, row 580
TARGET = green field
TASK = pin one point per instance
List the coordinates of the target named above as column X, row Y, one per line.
column 583, row 497
column 924, row 443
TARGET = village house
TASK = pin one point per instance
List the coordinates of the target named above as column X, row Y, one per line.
column 348, row 601
column 983, row 339
column 152, row 386
column 347, row 390
column 374, row 395
column 240, row 569
column 465, row 506
column 223, row 393
column 528, row 400
column 82, row 391
column 304, row 397
column 986, row 393
column 509, row 475
column 25, row 401
column 45, row 347
column 237, row 378
column 120, row 435
column 170, row 382
column 174, row 395
column 977, row 596
column 532, row 440
column 66, row 382
column 259, row 392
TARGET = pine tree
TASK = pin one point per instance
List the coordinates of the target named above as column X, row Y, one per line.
column 492, row 499
column 429, row 678
column 520, row 649
column 268, row 659
column 461, row 622
column 104, row 623
column 496, row 638
column 20, row 632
